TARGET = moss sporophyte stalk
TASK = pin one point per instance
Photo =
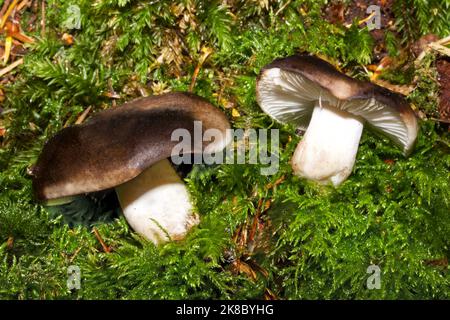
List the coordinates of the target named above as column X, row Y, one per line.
column 382, row 233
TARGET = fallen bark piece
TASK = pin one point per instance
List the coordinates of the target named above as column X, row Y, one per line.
column 443, row 69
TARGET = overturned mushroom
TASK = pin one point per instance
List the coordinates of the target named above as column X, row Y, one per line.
column 126, row 148
column 310, row 93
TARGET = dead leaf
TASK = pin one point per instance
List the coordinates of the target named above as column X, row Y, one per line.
column 235, row 113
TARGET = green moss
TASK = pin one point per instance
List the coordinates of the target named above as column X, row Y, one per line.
column 317, row 241
column 415, row 18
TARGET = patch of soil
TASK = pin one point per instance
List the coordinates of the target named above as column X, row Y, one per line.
column 443, row 69
column 338, row 13
column 420, row 45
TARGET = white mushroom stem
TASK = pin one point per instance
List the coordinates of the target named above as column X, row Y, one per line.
column 156, row 204
column 328, row 149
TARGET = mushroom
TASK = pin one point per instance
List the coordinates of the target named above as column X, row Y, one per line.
column 126, row 148
column 332, row 107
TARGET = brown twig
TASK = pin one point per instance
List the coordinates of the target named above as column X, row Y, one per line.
column 83, row 116
column 243, row 267
column 360, row 22
column 440, row 48
column 402, row 89
column 43, row 18
column 22, row 37
column 384, row 63
column 282, row 8
column 8, row 12
column 276, row 183
column 255, row 220
column 15, row 42
column 206, row 52
column 8, row 47
column 11, row 67
column 100, row 239
column 444, row 41
column 74, row 254
column 4, row 7
column 31, row 22
column 443, row 262
column 269, row 295
column 437, row 46
column 10, row 242
column 439, row 120
column 23, row 4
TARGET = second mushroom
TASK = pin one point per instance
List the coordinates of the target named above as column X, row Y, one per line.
column 126, row 148
column 333, row 108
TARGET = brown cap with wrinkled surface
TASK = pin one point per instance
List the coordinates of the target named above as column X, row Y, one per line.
column 116, row 145
column 288, row 89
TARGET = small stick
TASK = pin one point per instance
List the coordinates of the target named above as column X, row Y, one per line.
column 282, row 8
column 112, row 95
column 276, row 183
column 22, row 37
column 236, row 234
column 43, row 17
column 8, row 12
column 439, row 48
column 402, row 89
column 255, row 220
column 8, row 46
column 206, row 52
column 438, row 262
column 99, row 238
column 243, row 236
column 75, row 254
column 360, row 22
column 269, row 295
column 385, row 62
column 83, row 115
column 15, row 42
column 444, row 41
column 440, row 120
column 10, row 242
column 11, row 67
column 23, row 4
column 4, row 7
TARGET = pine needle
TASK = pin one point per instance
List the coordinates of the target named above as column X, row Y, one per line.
column 11, row 67
column 8, row 12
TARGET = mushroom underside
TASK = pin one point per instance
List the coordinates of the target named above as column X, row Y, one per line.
column 328, row 149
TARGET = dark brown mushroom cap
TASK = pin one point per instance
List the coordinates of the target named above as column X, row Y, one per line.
column 288, row 88
column 115, row 145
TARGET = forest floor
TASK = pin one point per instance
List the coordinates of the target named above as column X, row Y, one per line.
column 260, row 237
